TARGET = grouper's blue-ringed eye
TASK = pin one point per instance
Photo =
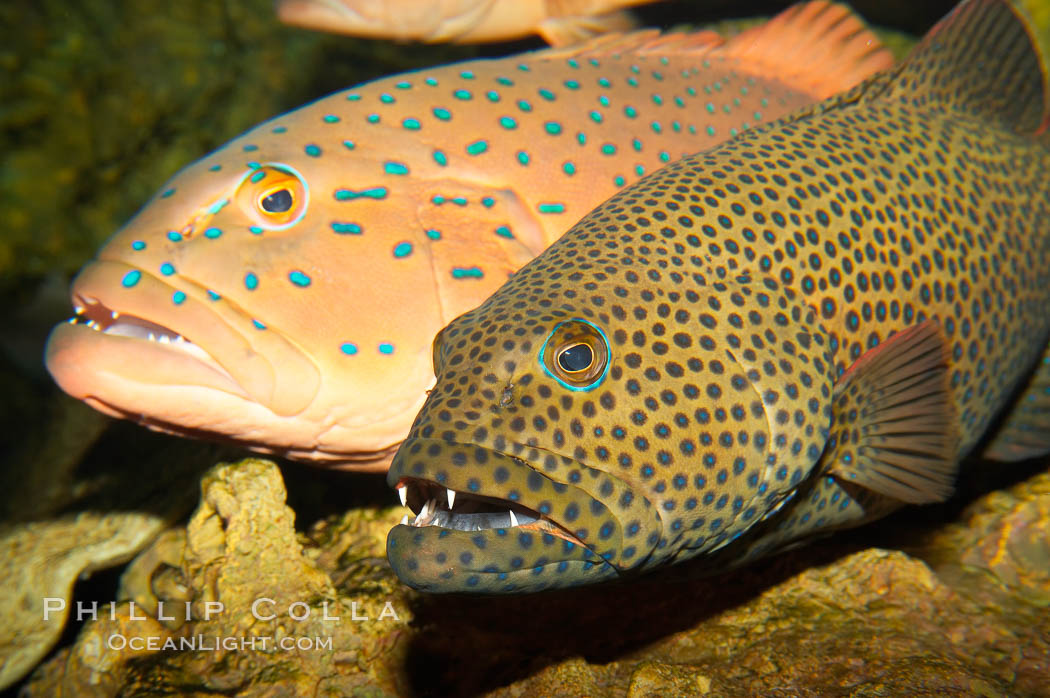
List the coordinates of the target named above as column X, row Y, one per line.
column 273, row 195
column 576, row 354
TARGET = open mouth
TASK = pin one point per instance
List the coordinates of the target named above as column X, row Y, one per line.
column 96, row 316
column 437, row 505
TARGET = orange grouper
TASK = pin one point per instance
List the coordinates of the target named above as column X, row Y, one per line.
column 797, row 331
column 283, row 292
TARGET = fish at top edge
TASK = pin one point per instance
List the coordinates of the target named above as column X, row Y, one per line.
column 798, row 331
column 461, row 21
column 283, row 292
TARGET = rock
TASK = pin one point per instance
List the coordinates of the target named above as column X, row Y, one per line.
column 951, row 617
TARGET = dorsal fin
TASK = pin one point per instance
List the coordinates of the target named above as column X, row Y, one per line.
column 984, row 58
column 819, row 48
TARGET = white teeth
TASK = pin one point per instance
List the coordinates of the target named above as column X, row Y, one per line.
column 451, row 498
column 513, row 518
column 78, row 308
column 402, row 492
column 164, row 339
column 152, row 337
column 424, row 511
column 404, row 520
column 114, row 314
column 72, row 321
column 93, row 325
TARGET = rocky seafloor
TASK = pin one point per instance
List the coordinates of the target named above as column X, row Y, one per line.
column 106, row 100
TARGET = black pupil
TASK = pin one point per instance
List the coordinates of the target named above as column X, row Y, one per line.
column 576, row 358
column 278, row 202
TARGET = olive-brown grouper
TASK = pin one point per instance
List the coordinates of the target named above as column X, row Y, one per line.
column 796, row 331
column 284, row 291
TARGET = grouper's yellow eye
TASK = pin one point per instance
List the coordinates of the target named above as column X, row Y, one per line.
column 274, row 196
column 576, row 355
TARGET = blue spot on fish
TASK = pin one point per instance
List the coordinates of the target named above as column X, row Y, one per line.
column 299, row 278
column 219, row 205
column 467, row 273
column 344, row 228
column 256, row 230
column 212, row 233
column 312, row 150
column 478, row 147
column 386, row 348
column 350, row 194
column 257, row 176
column 258, row 325
column 551, row 208
column 167, row 193
column 331, row 119
column 178, row 298
column 395, row 168
column 213, row 295
column 251, row 281
column 174, row 236
column 348, row 348
column 138, row 245
column 504, row 231
column 131, row 278
column 167, row 269
column 434, row 234
column 402, row 249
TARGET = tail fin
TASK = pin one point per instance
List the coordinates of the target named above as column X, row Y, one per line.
column 987, row 58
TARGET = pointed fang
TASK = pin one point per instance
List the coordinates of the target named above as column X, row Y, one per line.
column 513, row 518
column 402, row 492
column 451, row 498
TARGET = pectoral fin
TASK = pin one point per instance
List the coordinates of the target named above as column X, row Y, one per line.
column 893, row 428
column 566, row 31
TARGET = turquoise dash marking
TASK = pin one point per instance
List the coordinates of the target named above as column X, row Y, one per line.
column 174, row 236
column 402, row 249
column 258, row 325
column 256, row 230
column 581, row 138
column 508, row 123
column 251, row 281
column 665, row 156
column 215, row 168
column 505, row 81
column 478, row 147
column 213, row 233
column 167, row 269
column 431, row 81
column 386, row 348
column 213, row 295
column 437, row 199
column 346, row 228
column 551, row 208
column 523, row 157
column 465, row 95
column 467, row 273
column 553, row 127
column 596, row 117
column 403, row 85
column 440, row 157
column 279, row 129
column 349, row 145
column 608, row 149
column 312, row 150
column 573, row 63
column 434, row 234
column 504, row 232
column 351, row 194
column 524, row 67
column 220, row 204
column 251, row 147
column 299, row 278
column 257, row 176
column 348, row 348
column 466, row 75
column 372, row 118
column 636, row 144
column 386, row 99
column 331, row 119
column 604, row 101
column 395, row 168
column 131, row 278
column 524, row 106
column 657, row 128
column 178, row 298
column 546, row 94
column 488, row 201
column 619, row 181
column 252, row 165
column 167, row 193
column 569, row 168
column 639, row 170
column 459, row 200
column 492, row 96
column 353, row 97
column 572, row 84
column 411, row 124
column 138, row 245
column 710, row 130
column 442, row 113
